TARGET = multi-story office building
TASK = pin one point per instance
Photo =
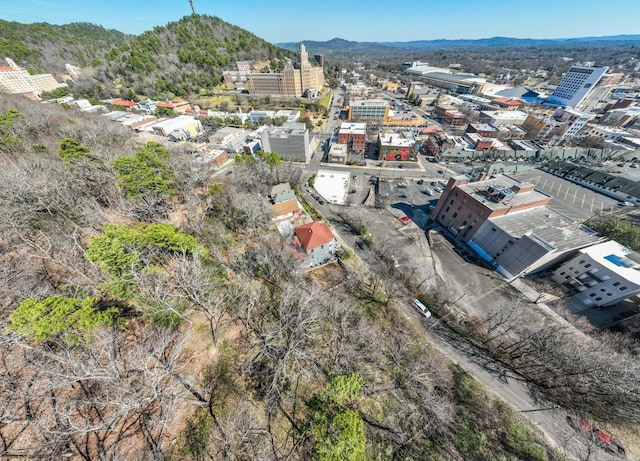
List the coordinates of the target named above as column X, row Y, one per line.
column 289, row 82
column 563, row 124
column 601, row 275
column 354, row 135
column 369, row 109
column 437, row 143
column 291, row 141
column 577, row 83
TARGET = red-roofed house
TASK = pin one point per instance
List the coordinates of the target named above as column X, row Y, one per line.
column 123, row 103
column 508, row 103
column 178, row 105
column 317, row 241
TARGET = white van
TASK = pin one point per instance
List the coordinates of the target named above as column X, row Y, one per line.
column 422, row 308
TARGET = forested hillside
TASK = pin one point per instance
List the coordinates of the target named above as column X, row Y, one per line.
column 181, row 58
column 45, row 47
column 151, row 311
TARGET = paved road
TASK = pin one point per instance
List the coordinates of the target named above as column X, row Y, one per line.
column 475, row 288
column 515, row 392
column 472, row 287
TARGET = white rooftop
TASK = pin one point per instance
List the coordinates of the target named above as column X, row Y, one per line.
column 617, row 258
column 353, row 128
column 332, row 185
column 505, row 114
column 395, row 139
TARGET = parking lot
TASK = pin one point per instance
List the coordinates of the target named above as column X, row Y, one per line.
column 571, row 199
column 408, row 195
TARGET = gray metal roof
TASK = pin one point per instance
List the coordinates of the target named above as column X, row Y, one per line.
column 547, row 225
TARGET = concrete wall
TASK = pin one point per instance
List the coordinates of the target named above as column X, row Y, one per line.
column 558, row 153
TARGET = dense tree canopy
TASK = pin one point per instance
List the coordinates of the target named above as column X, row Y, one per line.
column 71, row 319
column 147, row 171
column 625, row 232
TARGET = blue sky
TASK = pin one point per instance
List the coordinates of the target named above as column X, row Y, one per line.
column 372, row 20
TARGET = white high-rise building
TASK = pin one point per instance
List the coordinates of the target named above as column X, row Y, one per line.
column 576, row 85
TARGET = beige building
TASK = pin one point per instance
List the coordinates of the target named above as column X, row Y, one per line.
column 338, row 153
column 289, row 82
column 15, row 79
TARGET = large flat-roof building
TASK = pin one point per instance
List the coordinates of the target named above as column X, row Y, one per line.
column 601, row 275
column 261, row 116
column 507, row 222
column 182, row 127
column 503, row 117
column 576, row 84
column 369, row 109
column 396, row 146
column 444, row 78
column 291, row 141
column 15, row 79
column 289, row 82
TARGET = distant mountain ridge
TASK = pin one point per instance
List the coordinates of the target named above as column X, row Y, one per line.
column 342, row 45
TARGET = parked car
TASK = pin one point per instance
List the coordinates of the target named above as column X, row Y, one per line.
column 437, row 190
column 402, row 185
column 433, row 183
column 429, row 192
column 422, row 308
column 420, row 182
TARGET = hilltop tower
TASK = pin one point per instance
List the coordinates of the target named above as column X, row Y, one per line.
column 304, row 57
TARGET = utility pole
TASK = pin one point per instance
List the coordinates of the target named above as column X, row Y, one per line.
column 193, row 7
